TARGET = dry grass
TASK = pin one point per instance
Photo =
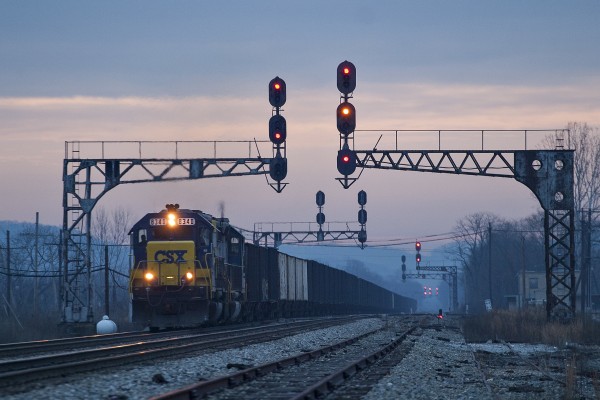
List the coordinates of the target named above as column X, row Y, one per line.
column 529, row 326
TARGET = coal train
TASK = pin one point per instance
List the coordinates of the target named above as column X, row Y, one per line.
column 190, row 268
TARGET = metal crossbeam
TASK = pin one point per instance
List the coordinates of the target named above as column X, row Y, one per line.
column 278, row 238
column 466, row 162
column 443, row 268
column 426, row 275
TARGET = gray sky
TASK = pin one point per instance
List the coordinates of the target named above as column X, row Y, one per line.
column 196, row 70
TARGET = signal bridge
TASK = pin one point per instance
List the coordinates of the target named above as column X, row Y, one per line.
column 549, row 174
column 276, row 234
column 441, row 272
column 92, row 168
column 292, row 235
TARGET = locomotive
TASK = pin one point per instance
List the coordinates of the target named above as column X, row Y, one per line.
column 187, row 268
column 190, row 268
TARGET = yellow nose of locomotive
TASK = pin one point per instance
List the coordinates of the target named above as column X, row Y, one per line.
column 170, row 263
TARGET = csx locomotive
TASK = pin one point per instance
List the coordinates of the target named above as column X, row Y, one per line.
column 188, row 268
column 191, row 268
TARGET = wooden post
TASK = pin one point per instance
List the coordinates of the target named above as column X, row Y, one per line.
column 106, row 301
column 8, row 273
column 36, row 263
column 490, row 260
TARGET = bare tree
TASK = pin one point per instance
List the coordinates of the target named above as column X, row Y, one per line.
column 471, row 232
column 585, row 139
column 111, row 228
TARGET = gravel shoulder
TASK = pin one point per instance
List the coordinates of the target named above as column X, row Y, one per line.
column 442, row 365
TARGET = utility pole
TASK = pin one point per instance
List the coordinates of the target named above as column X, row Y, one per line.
column 582, row 279
column 8, row 273
column 490, row 260
column 524, row 294
column 588, row 260
column 36, row 263
column 106, row 303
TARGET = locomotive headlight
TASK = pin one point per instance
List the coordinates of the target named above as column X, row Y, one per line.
column 171, row 219
column 189, row 276
column 149, row 276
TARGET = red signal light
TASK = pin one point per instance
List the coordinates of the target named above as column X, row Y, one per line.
column 346, row 162
column 277, row 129
column 418, row 246
column 277, row 86
column 346, row 77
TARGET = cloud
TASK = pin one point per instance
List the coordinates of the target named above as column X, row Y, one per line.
column 34, row 129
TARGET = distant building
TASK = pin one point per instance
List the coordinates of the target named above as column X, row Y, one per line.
column 535, row 288
column 534, row 293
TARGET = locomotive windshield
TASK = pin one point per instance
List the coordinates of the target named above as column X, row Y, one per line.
column 168, row 233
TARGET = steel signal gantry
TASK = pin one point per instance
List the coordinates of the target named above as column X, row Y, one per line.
column 277, row 236
column 91, row 169
column 437, row 272
column 549, row 174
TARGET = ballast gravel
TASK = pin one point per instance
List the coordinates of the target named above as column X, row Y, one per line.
column 439, row 365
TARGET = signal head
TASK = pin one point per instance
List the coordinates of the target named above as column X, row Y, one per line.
column 346, row 162
column 362, row 236
column 320, row 198
column 277, row 92
column 362, row 198
column 278, row 168
column 277, row 129
column 346, row 118
column 418, row 245
column 346, row 77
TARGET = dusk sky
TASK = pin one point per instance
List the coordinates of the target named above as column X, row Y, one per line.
column 198, row 70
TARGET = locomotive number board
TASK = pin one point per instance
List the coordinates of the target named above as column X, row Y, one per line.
column 180, row 221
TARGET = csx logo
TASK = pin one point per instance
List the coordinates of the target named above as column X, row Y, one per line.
column 170, row 256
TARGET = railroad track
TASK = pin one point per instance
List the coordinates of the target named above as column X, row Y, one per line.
column 18, row 372
column 23, row 349
column 312, row 374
